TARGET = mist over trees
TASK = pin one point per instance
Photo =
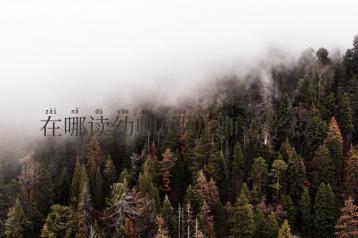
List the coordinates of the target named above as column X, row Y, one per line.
column 252, row 158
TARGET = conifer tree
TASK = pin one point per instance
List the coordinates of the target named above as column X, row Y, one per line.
column 347, row 224
column 84, row 207
column 109, row 175
column 286, row 150
column 124, row 176
column 76, row 180
column 96, row 185
column 94, row 152
column 295, row 176
column 290, row 209
column 284, row 116
column 166, row 164
column 60, row 222
column 272, row 225
column 325, row 168
column 285, row 231
column 259, row 174
column 324, row 212
column 334, row 143
column 237, row 169
column 16, row 222
column 146, row 184
column 216, row 168
column 262, row 229
column 278, row 168
column 305, row 205
column 351, row 174
column 344, row 117
column 243, row 224
column 64, row 187
column 314, row 133
column 167, row 213
column 195, row 198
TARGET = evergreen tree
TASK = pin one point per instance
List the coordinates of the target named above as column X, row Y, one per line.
column 60, row 222
column 265, row 226
column 237, row 169
column 286, row 150
column 284, row 116
column 96, row 184
column 305, row 93
column 272, row 225
column 64, row 187
column 295, row 176
column 325, row 167
column 351, row 174
column 124, row 176
column 347, row 224
column 94, row 153
column 217, row 169
column 306, row 214
column 195, row 198
column 324, row 212
column 84, row 208
column 168, row 215
column 334, row 143
column 205, row 221
column 243, row 223
column 165, row 165
column 146, row 184
column 290, row 209
column 278, row 168
column 344, row 117
column 76, row 180
column 109, row 175
column 259, row 174
column 16, row 222
column 314, row 133
column 327, row 103
column 285, row 231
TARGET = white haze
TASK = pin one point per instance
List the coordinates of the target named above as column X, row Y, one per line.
column 90, row 54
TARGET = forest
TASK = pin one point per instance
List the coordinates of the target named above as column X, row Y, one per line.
column 251, row 159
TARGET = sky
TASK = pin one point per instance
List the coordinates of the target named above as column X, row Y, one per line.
column 90, row 54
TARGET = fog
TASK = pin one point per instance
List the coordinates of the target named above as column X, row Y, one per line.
column 90, row 54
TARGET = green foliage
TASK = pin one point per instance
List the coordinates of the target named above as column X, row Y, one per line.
column 344, row 115
column 305, row 205
column 314, row 133
column 146, row 184
column 295, row 176
column 243, row 224
column 16, row 222
column 60, row 222
column 284, row 116
column 168, row 214
column 325, row 212
column 76, row 180
column 325, row 167
column 266, row 226
column 259, row 174
column 237, row 169
column 285, row 231
column 109, row 175
column 96, row 185
column 290, row 209
column 278, row 168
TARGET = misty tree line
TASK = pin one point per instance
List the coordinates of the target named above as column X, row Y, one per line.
column 290, row 171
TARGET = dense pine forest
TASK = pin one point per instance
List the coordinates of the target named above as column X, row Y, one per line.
column 249, row 158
